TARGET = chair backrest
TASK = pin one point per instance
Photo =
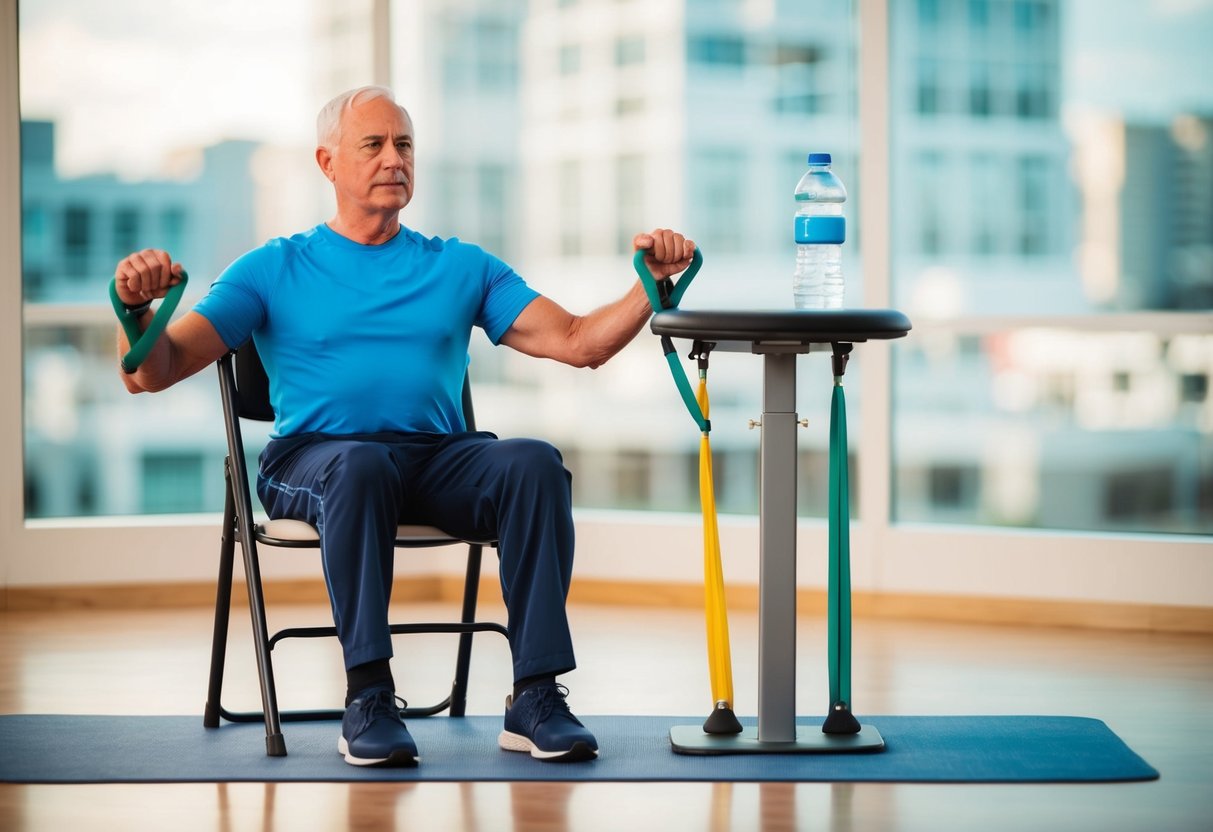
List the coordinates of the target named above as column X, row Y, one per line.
column 252, row 400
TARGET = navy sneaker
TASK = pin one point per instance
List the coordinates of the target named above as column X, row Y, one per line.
column 373, row 734
column 540, row 722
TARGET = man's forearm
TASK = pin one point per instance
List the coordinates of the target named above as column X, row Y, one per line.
column 607, row 330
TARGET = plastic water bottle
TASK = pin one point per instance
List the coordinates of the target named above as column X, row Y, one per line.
column 820, row 230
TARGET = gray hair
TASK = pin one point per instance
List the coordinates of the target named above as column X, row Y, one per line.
column 328, row 122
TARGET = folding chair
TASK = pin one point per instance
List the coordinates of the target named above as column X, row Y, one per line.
column 245, row 391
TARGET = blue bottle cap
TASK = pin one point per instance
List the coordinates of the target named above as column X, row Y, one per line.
column 819, row 159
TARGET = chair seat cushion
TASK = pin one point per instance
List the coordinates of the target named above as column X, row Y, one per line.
column 301, row 533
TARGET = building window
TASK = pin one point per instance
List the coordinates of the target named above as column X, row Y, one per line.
column 126, row 231
column 172, row 228
column 629, row 200
column 927, row 95
column 1034, row 212
column 980, row 94
column 493, row 211
column 569, row 179
column 718, row 194
column 629, row 105
column 952, row 486
column 629, row 51
column 568, row 60
column 77, row 237
column 172, row 482
column 797, row 78
column 1193, row 387
column 718, row 50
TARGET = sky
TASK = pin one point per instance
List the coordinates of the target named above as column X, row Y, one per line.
column 1148, row 59
column 127, row 79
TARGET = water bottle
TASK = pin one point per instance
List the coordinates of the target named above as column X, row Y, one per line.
column 820, row 231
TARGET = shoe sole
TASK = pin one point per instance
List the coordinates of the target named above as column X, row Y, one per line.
column 398, row 758
column 577, row 753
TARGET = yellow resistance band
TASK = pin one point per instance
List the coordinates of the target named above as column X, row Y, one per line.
column 720, row 665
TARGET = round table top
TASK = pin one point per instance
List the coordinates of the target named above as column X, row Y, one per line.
column 801, row 326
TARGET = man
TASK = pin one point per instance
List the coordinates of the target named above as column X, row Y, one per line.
column 363, row 326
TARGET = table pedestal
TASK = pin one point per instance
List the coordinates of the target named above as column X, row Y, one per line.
column 777, row 731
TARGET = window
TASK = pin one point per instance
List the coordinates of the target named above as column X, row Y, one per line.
column 171, row 482
column 629, row 51
column 569, row 59
column 1041, row 204
column 629, row 200
column 138, row 157
column 569, row 177
column 717, row 50
column 126, row 231
column 77, row 237
column 719, row 199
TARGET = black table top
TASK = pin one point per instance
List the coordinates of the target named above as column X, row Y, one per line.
column 801, row 326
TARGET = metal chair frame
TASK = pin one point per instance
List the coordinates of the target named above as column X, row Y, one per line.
column 244, row 390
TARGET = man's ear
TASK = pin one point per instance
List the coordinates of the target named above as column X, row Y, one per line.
column 324, row 158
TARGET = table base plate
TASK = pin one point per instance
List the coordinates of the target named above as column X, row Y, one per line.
column 690, row 739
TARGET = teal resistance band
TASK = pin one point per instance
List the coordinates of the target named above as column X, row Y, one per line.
column 665, row 294
column 142, row 341
column 840, row 720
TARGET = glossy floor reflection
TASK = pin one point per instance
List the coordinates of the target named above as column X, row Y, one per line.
column 1153, row 690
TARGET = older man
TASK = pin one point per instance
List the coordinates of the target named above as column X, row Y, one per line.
column 363, row 326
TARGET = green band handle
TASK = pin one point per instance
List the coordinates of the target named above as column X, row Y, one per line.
column 665, row 294
column 142, row 341
column 684, row 386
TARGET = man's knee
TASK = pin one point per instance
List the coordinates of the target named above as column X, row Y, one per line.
column 535, row 460
column 363, row 465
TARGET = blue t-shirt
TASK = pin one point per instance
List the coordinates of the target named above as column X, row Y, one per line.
column 363, row 339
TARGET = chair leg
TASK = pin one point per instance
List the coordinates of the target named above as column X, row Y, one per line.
column 471, row 589
column 223, row 608
column 275, row 745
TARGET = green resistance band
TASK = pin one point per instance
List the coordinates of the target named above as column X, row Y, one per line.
column 665, row 294
column 839, row 595
column 142, row 341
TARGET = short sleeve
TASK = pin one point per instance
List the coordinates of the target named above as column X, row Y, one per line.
column 506, row 295
column 237, row 301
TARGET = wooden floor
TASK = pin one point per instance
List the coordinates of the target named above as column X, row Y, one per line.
column 1155, row 691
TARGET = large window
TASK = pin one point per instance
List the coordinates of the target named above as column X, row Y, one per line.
column 131, row 143
column 1049, row 228
column 1057, row 259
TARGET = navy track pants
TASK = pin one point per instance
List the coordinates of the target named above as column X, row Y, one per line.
column 356, row 489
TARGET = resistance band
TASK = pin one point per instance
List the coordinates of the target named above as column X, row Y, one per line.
column 142, row 341
column 839, row 720
column 663, row 295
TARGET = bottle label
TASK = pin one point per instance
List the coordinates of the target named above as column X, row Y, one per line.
column 825, row 230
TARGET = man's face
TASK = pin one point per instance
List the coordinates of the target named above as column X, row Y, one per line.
column 371, row 166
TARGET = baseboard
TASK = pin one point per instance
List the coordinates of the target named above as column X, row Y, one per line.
column 865, row 604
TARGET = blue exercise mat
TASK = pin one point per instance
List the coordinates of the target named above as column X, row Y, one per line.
column 918, row 749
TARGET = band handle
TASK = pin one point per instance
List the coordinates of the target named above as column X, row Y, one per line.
column 665, row 294
column 142, row 341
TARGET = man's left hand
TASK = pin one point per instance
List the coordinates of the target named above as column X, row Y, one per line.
column 667, row 252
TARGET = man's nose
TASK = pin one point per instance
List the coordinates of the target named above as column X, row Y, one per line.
column 393, row 158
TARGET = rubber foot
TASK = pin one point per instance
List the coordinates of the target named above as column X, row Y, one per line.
column 840, row 720
column 275, row 745
column 722, row 720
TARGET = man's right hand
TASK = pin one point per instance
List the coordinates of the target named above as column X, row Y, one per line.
column 145, row 275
